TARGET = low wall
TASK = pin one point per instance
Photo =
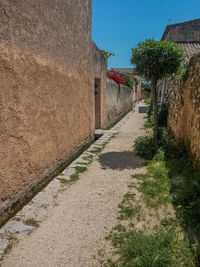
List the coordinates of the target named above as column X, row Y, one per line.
column 184, row 107
column 119, row 100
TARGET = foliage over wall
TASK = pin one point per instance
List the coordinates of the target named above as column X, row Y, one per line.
column 116, row 78
column 128, row 82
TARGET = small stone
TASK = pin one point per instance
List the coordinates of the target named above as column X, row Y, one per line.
column 13, row 227
column 87, row 153
column 53, row 187
column 67, row 172
column 78, row 165
column 43, row 198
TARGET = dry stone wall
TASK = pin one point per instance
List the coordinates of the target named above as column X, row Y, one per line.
column 184, row 107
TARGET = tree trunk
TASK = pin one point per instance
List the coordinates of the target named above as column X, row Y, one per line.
column 155, row 109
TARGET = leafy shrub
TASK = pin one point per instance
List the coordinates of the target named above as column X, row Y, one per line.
column 173, row 148
column 145, row 147
column 147, row 101
column 127, row 80
column 182, row 74
column 149, row 121
column 160, row 155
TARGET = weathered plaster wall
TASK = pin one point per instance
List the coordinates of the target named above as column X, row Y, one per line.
column 99, row 71
column 184, row 107
column 47, row 62
column 119, row 100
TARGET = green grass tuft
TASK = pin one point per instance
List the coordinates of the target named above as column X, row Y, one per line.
column 161, row 248
column 31, row 222
column 80, row 169
column 156, row 185
column 63, row 181
column 128, row 211
column 97, row 150
column 89, row 158
column 139, row 176
column 74, row 177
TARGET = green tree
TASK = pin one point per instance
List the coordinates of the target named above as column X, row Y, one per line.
column 155, row 60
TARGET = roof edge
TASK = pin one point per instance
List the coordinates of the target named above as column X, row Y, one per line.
column 174, row 25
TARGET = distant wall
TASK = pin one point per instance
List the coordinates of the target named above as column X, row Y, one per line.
column 48, row 66
column 119, row 100
column 99, row 71
column 184, row 107
column 182, row 32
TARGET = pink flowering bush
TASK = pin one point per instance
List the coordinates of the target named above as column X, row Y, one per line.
column 116, row 78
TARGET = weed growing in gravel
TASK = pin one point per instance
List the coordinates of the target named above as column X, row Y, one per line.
column 89, row 158
column 97, row 150
column 63, row 181
column 31, row 222
column 162, row 245
column 12, row 241
column 128, row 196
column 160, row 248
column 127, row 209
column 80, row 169
column 156, row 189
column 74, row 177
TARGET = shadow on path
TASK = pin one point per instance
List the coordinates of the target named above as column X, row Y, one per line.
column 120, row 160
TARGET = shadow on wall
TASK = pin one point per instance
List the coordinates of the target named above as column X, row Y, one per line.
column 120, row 160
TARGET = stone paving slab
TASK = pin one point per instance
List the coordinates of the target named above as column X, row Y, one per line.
column 42, row 198
column 32, row 211
column 13, row 227
column 53, row 187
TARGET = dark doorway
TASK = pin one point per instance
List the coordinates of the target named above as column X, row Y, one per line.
column 97, row 103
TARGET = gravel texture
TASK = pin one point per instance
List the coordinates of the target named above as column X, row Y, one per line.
column 86, row 211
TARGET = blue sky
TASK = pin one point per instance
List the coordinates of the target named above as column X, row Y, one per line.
column 118, row 25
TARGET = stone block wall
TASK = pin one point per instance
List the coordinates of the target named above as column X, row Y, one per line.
column 119, row 100
column 184, row 107
column 48, row 65
column 181, row 32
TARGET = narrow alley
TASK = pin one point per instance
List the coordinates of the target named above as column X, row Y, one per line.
column 85, row 211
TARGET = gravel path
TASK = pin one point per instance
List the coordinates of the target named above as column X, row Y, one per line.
column 86, row 211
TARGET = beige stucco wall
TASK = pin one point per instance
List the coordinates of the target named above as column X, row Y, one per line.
column 47, row 63
column 99, row 71
column 119, row 100
column 184, row 107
